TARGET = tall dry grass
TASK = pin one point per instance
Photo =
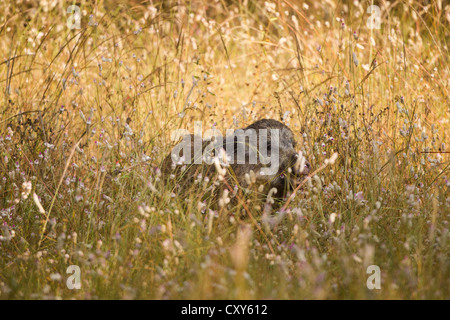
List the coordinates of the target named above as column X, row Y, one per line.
column 85, row 121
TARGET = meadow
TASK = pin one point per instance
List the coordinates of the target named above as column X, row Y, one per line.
column 91, row 96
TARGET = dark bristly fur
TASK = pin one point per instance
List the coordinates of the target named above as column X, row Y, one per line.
column 284, row 181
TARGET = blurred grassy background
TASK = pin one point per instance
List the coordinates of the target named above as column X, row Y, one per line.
column 87, row 114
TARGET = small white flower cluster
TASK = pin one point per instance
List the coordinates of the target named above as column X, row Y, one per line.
column 219, row 161
column 224, row 200
column 128, row 132
column 250, row 178
column 8, row 234
column 26, row 186
column 299, row 165
column 332, row 159
column 270, row 199
column 145, row 211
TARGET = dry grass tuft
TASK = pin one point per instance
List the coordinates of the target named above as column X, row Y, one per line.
column 86, row 119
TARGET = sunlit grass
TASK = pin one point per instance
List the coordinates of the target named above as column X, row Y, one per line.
column 87, row 116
